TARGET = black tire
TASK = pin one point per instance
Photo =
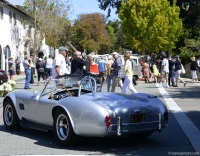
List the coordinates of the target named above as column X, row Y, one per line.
column 10, row 117
column 62, row 129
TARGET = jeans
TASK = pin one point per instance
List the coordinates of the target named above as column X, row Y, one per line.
column 28, row 78
column 109, row 78
column 171, row 77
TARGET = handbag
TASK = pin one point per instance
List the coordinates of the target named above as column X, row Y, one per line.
column 182, row 69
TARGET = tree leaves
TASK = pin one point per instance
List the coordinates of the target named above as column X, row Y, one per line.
column 150, row 24
column 90, row 32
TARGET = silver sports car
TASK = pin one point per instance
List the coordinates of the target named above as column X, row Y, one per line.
column 71, row 107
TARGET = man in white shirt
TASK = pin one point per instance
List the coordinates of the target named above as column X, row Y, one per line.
column 59, row 64
column 165, row 71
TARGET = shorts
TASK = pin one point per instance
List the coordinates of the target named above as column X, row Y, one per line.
column 165, row 74
column 49, row 72
column 11, row 72
column 178, row 74
column 117, row 81
column 194, row 74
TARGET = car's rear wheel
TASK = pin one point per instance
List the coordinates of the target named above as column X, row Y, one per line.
column 63, row 131
column 10, row 117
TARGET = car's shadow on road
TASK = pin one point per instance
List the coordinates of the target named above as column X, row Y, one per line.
column 111, row 145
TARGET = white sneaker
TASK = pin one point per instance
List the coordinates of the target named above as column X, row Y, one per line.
column 167, row 86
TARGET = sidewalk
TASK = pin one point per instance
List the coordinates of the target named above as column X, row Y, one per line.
column 20, row 77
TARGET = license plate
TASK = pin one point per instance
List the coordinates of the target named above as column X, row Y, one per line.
column 137, row 118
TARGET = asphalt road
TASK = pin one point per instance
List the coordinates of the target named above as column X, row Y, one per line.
column 174, row 140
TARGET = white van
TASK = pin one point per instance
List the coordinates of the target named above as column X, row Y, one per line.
column 136, row 65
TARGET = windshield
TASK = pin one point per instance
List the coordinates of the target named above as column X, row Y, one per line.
column 65, row 82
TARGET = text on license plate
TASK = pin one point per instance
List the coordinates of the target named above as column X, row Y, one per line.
column 137, row 118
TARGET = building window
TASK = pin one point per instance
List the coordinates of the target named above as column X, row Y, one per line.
column 10, row 16
column 14, row 18
column 1, row 12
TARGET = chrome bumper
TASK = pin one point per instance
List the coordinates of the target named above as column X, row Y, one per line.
column 121, row 128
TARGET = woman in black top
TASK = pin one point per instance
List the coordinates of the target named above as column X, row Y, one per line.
column 194, row 68
column 40, row 66
column 178, row 72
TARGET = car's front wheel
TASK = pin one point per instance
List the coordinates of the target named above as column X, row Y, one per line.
column 63, row 131
column 10, row 117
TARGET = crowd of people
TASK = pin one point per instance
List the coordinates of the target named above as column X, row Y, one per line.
column 111, row 72
column 166, row 70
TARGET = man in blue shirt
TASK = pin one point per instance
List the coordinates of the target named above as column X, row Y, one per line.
column 27, row 66
column 102, row 68
column 117, row 72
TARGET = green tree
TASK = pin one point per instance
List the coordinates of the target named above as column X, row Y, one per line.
column 112, row 35
column 90, row 33
column 120, row 44
column 105, row 4
column 49, row 18
column 151, row 25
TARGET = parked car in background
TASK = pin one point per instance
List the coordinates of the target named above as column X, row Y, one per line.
column 3, row 76
column 136, row 67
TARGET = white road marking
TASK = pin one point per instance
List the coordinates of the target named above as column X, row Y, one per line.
column 191, row 131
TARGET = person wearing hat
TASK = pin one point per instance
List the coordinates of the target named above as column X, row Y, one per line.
column 27, row 66
column 59, row 65
column 11, row 68
column 40, row 66
column 194, row 68
column 117, row 72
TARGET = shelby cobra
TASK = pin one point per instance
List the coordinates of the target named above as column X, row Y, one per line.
column 71, row 107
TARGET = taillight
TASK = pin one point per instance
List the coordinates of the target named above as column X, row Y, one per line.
column 165, row 116
column 107, row 120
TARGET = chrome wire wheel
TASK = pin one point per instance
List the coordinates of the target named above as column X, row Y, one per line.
column 8, row 115
column 62, row 127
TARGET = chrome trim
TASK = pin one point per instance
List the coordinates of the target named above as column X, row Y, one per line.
column 90, row 79
column 119, row 126
column 160, row 122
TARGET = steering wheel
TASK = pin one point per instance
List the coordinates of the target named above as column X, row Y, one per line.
column 57, row 87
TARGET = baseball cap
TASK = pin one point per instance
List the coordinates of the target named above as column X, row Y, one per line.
column 63, row 48
column 115, row 53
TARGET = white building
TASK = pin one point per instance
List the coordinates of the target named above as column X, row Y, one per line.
column 15, row 35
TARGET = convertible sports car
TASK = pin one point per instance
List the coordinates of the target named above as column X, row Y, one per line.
column 71, row 107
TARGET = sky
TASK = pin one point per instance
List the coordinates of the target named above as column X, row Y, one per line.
column 79, row 7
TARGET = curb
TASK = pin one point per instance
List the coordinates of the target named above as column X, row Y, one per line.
column 20, row 79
